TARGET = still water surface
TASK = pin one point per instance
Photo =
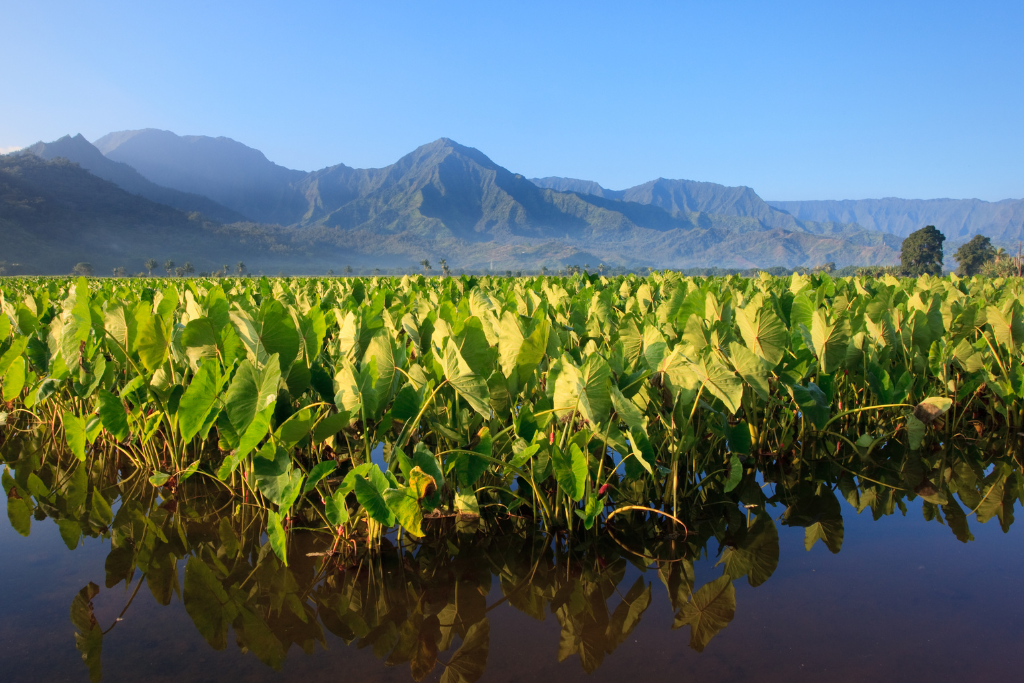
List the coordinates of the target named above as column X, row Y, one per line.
column 902, row 599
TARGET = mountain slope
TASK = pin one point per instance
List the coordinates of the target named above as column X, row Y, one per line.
column 691, row 196
column 454, row 202
column 80, row 151
column 958, row 219
column 228, row 172
column 54, row 214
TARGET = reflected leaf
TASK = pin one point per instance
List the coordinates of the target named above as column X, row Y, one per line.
column 627, row 615
column 757, row 555
column 469, row 661
column 254, row 634
column 88, row 634
column 708, row 612
column 822, row 519
column 208, row 604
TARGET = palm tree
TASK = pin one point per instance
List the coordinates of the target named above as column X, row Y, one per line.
column 189, row 269
column 240, row 267
column 426, row 265
column 445, row 270
column 544, row 270
column 169, row 267
column 348, row 270
column 150, row 265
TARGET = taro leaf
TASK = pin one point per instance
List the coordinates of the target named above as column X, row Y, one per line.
column 468, row 467
column 113, row 415
column 821, row 518
column 14, row 380
column 74, row 434
column 830, row 341
column 251, row 391
column 1007, row 325
column 586, row 389
column 152, row 341
column 407, row 403
column 275, row 476
column 593, row 510
column 159, row 479
column 471, row 386
column 466, row 503
column 312, row 329
column 932, row 408
column 571, row 471
column 373, row 502
column 424, row 461
column 199, row 340
column 468, row 663
column 382, row 350
column 709, row 611
column 751, row 369
column 735, row 471
column 321, row 471
column 199, row 399
column 337, row 509
column 405, row 505
column 276, row 535
column 15, row 350
column 532, row 351
column 88, row 634
column 330, row 425
column 188, row 471
column 207, row 603
column 764, row 334
column 812, row 403
column 271, row 333
column 295, row 428
column 756, row 555
column 720, row 381
column 255, row 432
column 916, row 431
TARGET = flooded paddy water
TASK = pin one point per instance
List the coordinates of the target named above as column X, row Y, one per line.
column 112, row 579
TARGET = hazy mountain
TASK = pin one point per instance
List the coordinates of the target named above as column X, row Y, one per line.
column 958, row 219
column 443, row 200
column 80, row 151
column 452, row 201
column 228, row 172
column 54, row 214
column 690, row 196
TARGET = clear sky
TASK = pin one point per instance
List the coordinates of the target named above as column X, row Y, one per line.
column 816, row 100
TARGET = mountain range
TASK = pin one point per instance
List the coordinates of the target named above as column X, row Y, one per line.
column 443, row 200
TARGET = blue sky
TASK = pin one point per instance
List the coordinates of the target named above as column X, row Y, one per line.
column 818, row 100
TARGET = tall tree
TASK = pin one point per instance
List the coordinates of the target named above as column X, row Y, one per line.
column 921, row 252
column 426, row 266
column 150, row 265
column 972, row 255
column 83, row 268
column 169, row 267
column 240, row 267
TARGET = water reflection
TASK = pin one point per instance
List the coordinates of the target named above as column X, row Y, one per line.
column 428, row 606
